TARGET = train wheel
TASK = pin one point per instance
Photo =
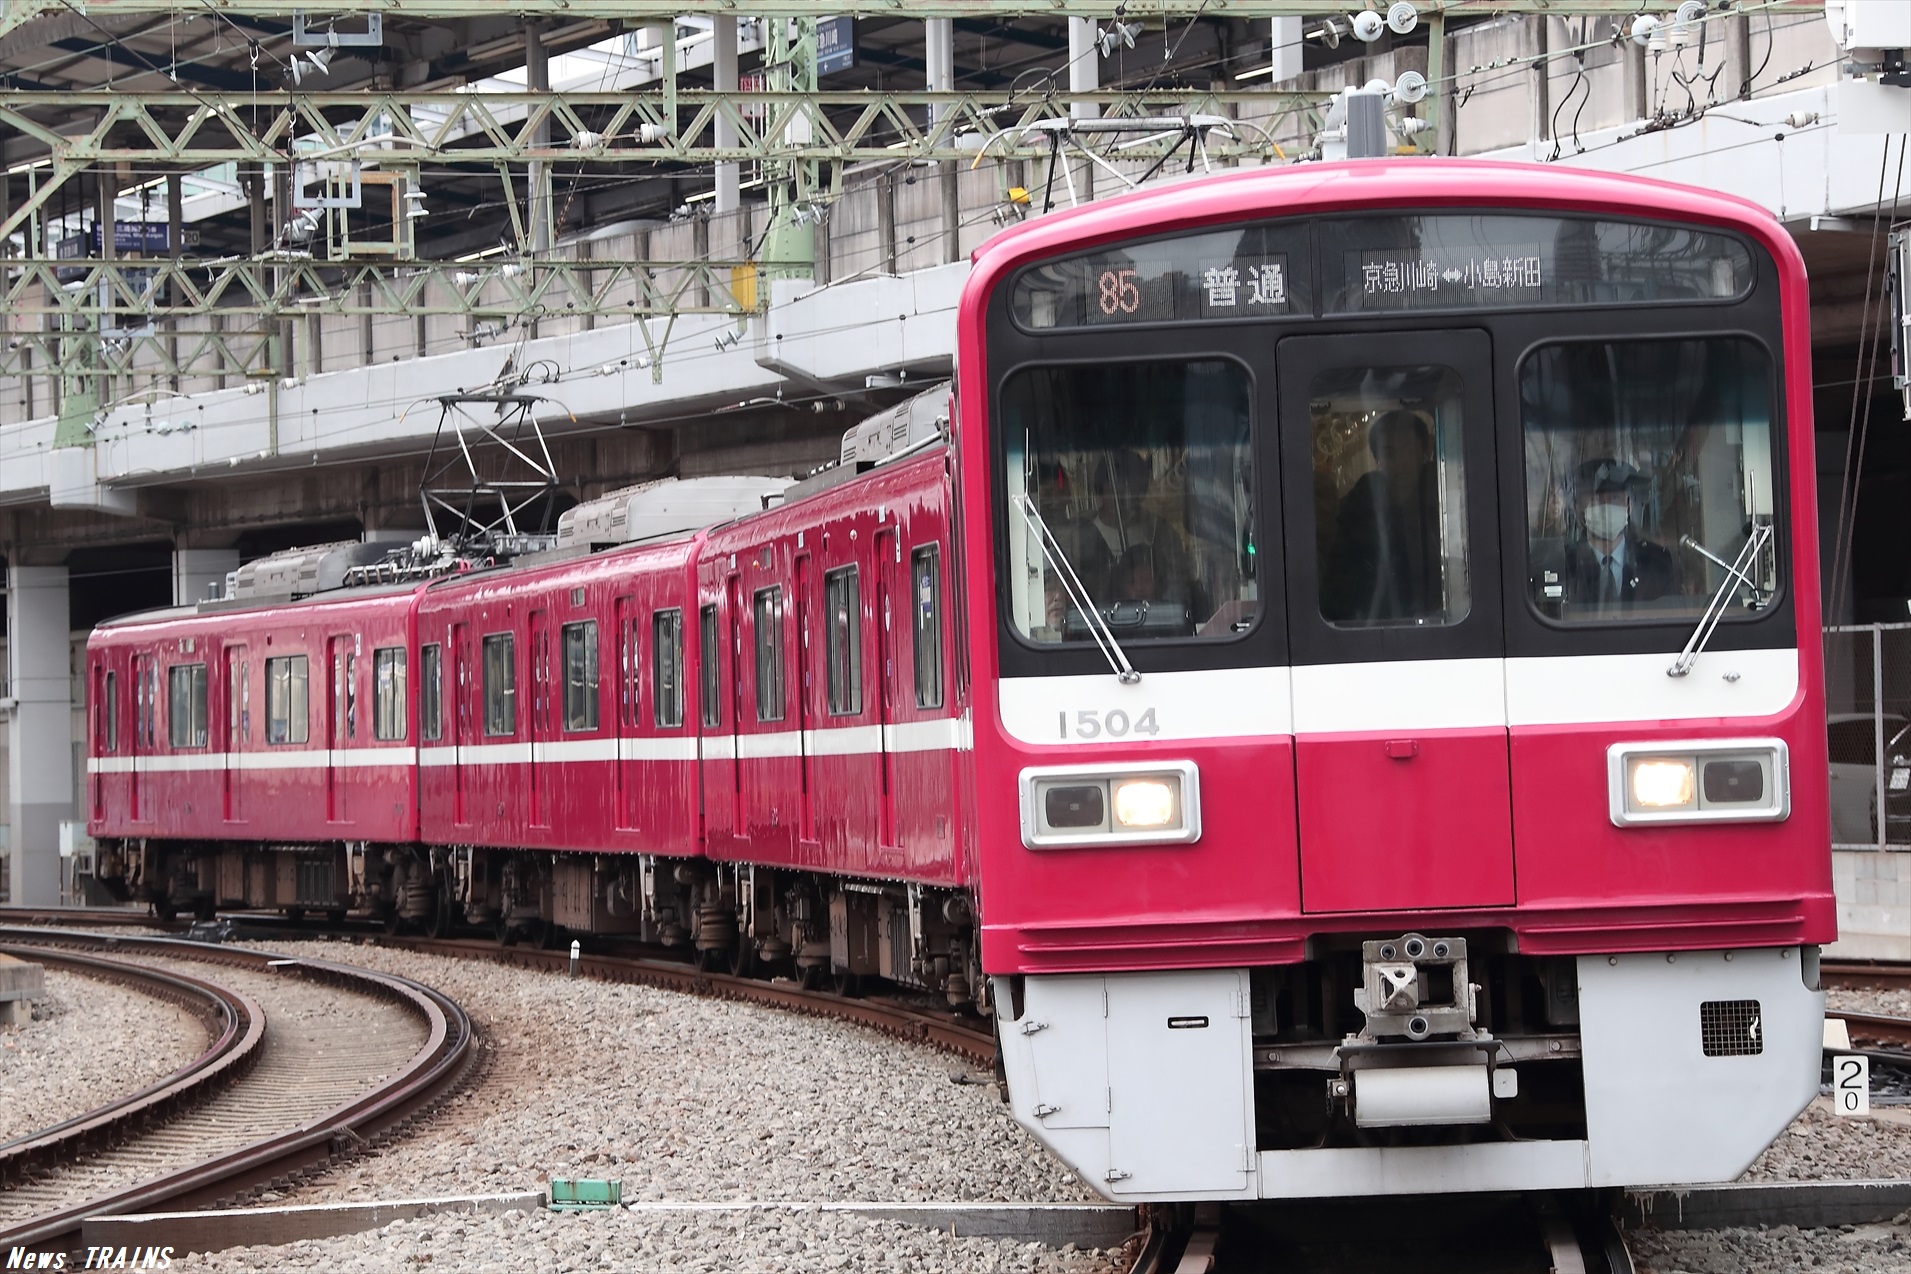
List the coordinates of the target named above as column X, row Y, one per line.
column 335, row 915
column 712, row 960
column 204, row 908
column 507, row 936
column 743, row 959
column 165, row 912
column 439, row 926
column 846, row 984
column 811, row 976
column 295, row 914
column 394, row 923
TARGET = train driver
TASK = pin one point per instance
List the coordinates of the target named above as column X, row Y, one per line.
column 1614, row 566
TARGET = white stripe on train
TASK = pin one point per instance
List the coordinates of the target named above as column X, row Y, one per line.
column 1211, row 704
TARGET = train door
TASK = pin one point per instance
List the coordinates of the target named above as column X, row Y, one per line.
column 805, row 707
column 625, row 770
column 463, row 726
column 892, row 592
column 238, row 730
column 343, row 736
column 538, row 781
column 739, row 822
column 145, row 709
column 718, row 751
column 1401, row 752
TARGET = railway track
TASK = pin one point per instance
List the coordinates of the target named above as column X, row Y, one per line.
column 1457, row 1234
column 235, row 1031
column 307, row 1094
column 1515, row 1234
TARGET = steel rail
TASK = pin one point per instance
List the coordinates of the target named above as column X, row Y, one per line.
column 437, row 1066
column 1875, row 1027
column 974, row 1043
column 235, row 1029
column 1861, row 973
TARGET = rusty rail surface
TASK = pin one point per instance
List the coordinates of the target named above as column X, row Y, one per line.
column 968, row 1039
column 434, row 1070
column 235, row 1027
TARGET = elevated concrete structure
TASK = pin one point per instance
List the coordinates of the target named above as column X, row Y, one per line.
column 224, row 462
column 40, row 744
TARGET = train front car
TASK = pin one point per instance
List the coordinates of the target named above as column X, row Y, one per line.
column 1399, row 733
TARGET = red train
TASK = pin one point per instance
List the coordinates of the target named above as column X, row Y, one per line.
column 1343, row 690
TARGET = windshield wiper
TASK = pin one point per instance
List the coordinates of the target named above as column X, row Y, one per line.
column 1735, row 573
column 1078, row 594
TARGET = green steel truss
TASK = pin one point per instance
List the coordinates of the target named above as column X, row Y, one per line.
column 19, row 12
column 155, row 317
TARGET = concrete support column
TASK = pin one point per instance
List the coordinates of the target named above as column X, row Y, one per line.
column 723, row 54
column 537, row 78
column 196, row 570
column 175, row 231
column 1084, row 66
column 1285, row 50
column 1738, row 57
column 1084, row 76
column 1638, row 86
column 1542, row 80
column 938, row 43
column 40, row 736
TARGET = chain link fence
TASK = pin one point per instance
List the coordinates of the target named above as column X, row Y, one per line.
column 1868, row 709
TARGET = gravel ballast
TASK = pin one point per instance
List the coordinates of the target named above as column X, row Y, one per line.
column 90, row 1042
column 1845, row 1249
column 682, row 1099
column 690, row 1099
column 632, row 1243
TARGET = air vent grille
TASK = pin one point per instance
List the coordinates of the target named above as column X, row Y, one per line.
column 1731, row 1028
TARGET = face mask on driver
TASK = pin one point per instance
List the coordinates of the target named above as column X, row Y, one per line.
column 1606, row 521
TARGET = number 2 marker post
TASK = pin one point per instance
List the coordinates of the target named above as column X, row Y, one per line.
column 1851, row 1084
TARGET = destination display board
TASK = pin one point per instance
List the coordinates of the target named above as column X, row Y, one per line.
column 1362, row 265
column 1240, row 272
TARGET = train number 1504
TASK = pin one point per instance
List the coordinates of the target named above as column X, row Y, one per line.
column 1112, row 724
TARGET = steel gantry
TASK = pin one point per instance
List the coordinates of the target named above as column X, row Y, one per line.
column 83, row 312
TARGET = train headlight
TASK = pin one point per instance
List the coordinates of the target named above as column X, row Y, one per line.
column 1702, row 781
column 1110, row 805
column 1145, row 804
column 1664, row 783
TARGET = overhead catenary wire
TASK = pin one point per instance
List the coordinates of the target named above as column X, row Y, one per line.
column 1858, row 425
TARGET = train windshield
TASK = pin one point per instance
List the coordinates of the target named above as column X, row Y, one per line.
column 1647, row 465
column 1141, row 475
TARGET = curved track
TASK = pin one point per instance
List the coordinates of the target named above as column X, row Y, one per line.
column 235, row 1030
column 307, row 1096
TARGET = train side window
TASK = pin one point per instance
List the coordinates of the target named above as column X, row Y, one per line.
column 843, row 641
column 500, row 684
column 388, row 693
column 580, row 675
column 109, row 713
column 707, row 671
column 143, row 674
column 287, row 682
column 769, row 654
column 344, row 693
column 186, row 705
column 925, row 575
column 431, row 715
column 666, row 667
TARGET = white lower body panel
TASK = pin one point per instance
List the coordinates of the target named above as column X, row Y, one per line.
column 1143, row 1084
